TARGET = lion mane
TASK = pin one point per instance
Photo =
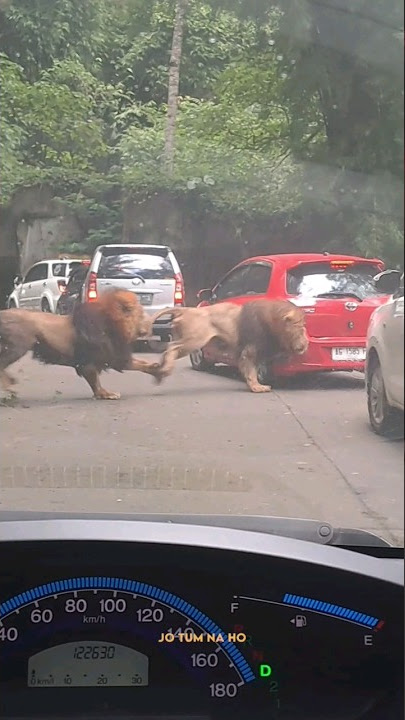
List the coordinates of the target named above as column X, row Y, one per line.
column 273, row 326
column 98, row 336
column 268, row 329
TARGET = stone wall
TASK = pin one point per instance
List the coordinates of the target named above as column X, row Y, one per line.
column 42, row 238
column 31, row 228
column 206, row 243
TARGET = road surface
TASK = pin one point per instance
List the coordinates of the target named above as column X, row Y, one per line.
column 199, row 443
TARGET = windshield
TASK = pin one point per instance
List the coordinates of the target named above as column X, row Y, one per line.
column 251, row 148
column 318, row 280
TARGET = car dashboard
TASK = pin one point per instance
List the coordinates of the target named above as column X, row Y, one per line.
column 151, row 617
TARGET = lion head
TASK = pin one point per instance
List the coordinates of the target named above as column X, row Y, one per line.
column 289, row 321
column 124, row 311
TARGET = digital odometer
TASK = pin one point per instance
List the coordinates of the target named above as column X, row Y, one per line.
column 187, row 634
column 92, row 664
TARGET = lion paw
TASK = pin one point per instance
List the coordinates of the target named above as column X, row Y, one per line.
column 260, row 388
column 160, row 375
column 158, row 378
column 108, row 396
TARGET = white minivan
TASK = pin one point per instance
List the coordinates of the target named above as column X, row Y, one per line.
column 385, row 358
column 150, row 271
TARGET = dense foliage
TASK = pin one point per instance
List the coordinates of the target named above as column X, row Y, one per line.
column 291, row 107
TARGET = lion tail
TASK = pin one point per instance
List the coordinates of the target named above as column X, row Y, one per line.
column 172, row 312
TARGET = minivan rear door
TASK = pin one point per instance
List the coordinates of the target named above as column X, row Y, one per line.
column 144, row 270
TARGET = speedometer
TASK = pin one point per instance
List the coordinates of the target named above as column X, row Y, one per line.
column 129, row 611
column 103, row 632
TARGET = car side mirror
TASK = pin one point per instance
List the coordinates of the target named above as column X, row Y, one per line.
column 388, row 281
column 205, row 294
column 17, row 280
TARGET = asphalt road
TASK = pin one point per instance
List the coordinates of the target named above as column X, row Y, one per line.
column 199, row 443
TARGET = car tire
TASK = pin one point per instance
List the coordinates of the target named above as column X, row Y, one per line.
column 198, row 362
column 11, row 305
column 384, row 419
column 264, row 375
column 45, row 306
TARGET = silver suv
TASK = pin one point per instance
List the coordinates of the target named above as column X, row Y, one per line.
column 42, row 285
column 150, row 271
column 385, row 358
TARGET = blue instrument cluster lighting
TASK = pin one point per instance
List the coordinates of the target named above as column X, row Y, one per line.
column 329, row 609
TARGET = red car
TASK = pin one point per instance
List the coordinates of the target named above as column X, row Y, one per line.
column 336, row 291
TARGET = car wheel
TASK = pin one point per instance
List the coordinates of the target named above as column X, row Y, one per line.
column 12, row 305
column 198, row 361
column 384, row 419
column 45, row 306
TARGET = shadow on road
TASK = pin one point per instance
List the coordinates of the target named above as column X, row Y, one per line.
column 316, row 381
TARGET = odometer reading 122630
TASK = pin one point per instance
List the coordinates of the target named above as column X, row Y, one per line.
column 91, row 664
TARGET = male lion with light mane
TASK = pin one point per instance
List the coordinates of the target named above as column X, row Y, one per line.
column 255, row 333
column 99, row 336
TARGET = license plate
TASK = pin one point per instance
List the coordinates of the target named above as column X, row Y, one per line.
column 145, row 298
column 349, row 354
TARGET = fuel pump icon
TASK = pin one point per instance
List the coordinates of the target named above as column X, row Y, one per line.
column 299, row 621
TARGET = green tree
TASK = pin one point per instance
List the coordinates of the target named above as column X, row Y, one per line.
column 35, row 33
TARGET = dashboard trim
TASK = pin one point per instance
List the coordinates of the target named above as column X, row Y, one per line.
column 241, row 541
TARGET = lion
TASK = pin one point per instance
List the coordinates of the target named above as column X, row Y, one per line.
column 255, row 333
column 268, row 330
column 97, row 337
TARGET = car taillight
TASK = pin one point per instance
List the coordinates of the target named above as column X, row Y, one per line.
column 179, row 290
column 92, row 287
column 61, row 286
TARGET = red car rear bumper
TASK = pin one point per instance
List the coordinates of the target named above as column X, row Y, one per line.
column 318, row 357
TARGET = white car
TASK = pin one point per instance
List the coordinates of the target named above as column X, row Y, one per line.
column 42, row 285
column 385, row 358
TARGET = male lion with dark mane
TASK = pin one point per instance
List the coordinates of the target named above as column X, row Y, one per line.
column 255, row 333
column 268, row 329
column 97, row 337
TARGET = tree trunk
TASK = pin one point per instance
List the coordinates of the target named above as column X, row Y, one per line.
column 174, row 82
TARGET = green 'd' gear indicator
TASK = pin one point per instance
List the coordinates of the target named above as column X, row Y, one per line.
column 265, row 670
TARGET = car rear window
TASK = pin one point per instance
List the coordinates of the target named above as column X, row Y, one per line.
column 324, row 280
column 122, row 264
